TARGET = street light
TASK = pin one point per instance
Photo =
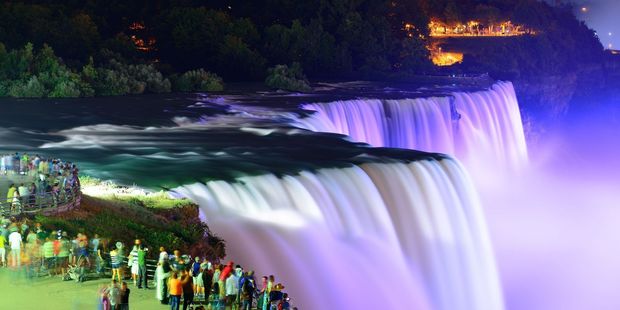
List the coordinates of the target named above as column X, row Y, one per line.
column 584, row 9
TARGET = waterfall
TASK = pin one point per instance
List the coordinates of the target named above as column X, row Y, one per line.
column 479, row 128
column 379, row 235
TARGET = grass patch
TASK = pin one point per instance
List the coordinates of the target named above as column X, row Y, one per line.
column 156, row 223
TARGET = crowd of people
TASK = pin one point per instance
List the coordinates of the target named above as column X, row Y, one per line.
column 197, row 283
column 216, row 285
column 50, row 182
column 179, row 280
column 41, row 252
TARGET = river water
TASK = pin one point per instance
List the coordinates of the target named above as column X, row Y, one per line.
column 335, row 219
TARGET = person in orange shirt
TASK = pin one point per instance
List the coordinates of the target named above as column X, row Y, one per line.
column 175, row 288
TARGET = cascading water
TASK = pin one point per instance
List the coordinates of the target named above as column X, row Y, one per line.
column 371, row 236
column 479, row 128
column 342, row 224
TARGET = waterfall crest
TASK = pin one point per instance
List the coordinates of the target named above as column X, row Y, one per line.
column 374, row 235
column 478, row 128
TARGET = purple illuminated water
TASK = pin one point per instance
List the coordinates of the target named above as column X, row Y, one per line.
column 354, row 238
column 479, row 128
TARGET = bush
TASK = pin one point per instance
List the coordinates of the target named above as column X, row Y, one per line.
column 199, row 80
column 151, row 80
column 61, row 83
column 291, row 79
column 30, row 88
column 135, row 79
column 177, row 227
column 4, row 89
column 110, row 83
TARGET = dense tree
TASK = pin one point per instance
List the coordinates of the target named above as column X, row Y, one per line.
column 240, row 39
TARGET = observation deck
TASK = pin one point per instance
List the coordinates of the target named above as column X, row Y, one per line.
column 33, row 184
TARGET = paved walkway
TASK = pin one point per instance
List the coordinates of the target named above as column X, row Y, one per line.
column 53, row 293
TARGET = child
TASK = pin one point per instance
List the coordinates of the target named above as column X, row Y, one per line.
column 124, row 297
column 114, row 294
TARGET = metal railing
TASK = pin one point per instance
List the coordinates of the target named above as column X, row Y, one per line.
column 45, row 202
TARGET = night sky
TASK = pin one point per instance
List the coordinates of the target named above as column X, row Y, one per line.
column 602, row 16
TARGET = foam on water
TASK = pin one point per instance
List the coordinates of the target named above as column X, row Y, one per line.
column 479, row 128
column 375, row 235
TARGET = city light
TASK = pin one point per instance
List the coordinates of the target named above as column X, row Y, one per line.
column 584, row 9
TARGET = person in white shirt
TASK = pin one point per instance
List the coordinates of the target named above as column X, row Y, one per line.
column 163, row 255
column 15, row 240
column 232, row 289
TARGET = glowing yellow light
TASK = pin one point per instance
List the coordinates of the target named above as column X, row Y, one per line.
column 444, row 59
column 474, row 28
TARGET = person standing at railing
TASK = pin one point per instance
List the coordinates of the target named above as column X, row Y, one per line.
column 114, row 261
column 101, row 250
column 55, row 194
column 24, row 194
column 32, row 198
column 94, row 245
column 132, row 263
column 16, row 161
column 3, row 164
column 141, row 262
column 9, row 164
column 15, row 203
column 23, row 164
column 10, row 193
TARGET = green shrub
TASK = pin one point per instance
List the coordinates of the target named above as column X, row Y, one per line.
column 177, row 227
column 4, row 89
column 110, row 83
column 291, row 79
column 30, row 88
column 149, row 78
column 65, row 89
column 61, row 83
column 137, row 79
column 199, row 80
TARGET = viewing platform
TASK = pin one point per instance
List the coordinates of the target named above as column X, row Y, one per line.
column 34, row 184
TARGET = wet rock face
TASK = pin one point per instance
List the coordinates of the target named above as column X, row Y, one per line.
column 549, row 95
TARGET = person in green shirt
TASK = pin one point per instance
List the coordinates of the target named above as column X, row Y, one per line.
column 142, row 266
column 48, row 256
column 63, row 255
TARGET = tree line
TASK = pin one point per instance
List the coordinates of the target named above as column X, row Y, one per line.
column 239, row 40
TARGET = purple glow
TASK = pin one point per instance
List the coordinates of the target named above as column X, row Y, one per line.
column 479, row 128
column 337, row 234
column 552, row 218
